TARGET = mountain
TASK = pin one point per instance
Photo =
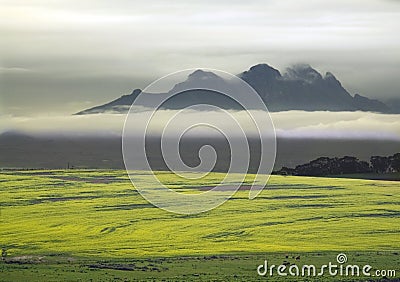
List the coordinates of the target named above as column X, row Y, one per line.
column 394, row 104
column 121, row 104
column 303, row 88
column 300, row 88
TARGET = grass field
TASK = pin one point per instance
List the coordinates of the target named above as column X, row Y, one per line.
column 92, row 224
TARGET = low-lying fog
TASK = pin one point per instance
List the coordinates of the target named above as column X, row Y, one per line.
column 290, row 124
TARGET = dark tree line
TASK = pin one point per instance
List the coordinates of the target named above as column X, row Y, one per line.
column 347, row 165
column 386, row 164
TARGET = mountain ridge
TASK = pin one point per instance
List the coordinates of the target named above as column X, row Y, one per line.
column 301, row 87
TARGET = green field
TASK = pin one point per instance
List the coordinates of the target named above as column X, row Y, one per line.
column 92, row 224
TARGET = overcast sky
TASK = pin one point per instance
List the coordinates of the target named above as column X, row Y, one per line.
column 67, row 55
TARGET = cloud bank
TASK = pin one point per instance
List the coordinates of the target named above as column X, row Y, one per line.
column 290, row 124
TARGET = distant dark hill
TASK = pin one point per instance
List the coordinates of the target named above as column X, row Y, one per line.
column 23, row 151
column 300, row 88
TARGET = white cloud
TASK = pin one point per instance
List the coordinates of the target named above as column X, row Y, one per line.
column 291, row 124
